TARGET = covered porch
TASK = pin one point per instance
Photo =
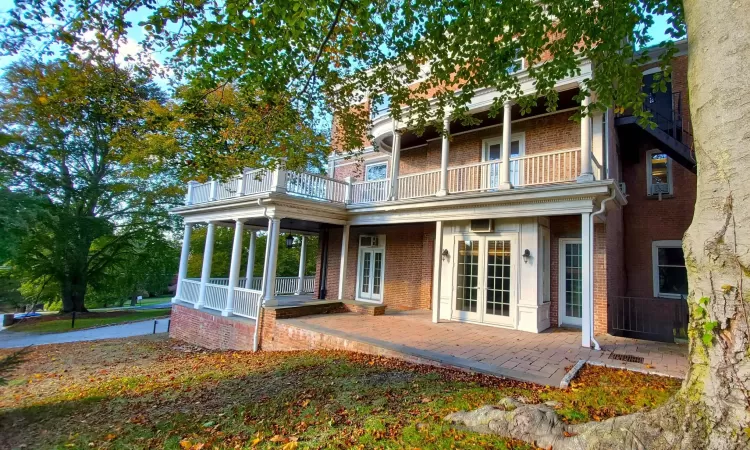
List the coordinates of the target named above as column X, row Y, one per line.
column 542, row 358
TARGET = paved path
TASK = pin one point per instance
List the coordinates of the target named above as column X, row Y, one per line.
column 11, row 339
column 540, row 358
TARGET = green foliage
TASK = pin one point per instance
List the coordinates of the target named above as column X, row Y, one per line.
column 86, row 205
column 288, row 258
column 265, row 77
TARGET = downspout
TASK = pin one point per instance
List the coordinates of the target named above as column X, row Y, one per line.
column 591, row 277
column 256, row 334
column 323, row 279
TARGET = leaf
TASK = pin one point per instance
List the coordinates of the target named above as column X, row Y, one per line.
column 290, row 445
column 185, row 444
column 278, row 438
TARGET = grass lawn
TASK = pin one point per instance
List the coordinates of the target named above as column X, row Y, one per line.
column 154, row 300
column 60, row 324
column 150, row 392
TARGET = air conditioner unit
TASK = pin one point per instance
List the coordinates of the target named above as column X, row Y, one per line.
column 368, row 241
column 481, row 225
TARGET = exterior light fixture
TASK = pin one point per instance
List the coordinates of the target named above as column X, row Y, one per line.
column 526, row 255
column 445, row 254
column 289, row 240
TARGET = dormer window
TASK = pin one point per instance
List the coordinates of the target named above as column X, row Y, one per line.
column 658, row 174
column 380, row 107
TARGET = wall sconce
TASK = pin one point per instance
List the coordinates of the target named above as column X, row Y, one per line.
column 289, row 240
column 526, row 255
column 445, row 254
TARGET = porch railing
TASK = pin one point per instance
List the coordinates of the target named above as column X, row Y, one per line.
column 190, row 290
column 371, row 191
column 216, row 297
column 548, row 168
column 246, row 302
column 418, row 185
column 316, row 186
column 284, row 285
column 529, row 170
column 659, row 319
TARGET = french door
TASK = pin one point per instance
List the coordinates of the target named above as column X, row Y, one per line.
column 571, row 282
column 493, row 151
column 484, row 274
column 370, row 274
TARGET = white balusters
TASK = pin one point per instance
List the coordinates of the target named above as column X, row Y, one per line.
column 189, row 291
column 371, row 191
column 216, row 296
column 316, row 186
column 417, row 185
column 246, row 302
column 547, row 168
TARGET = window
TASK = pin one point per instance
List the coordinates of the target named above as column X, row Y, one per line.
column 670, row 275
column 518, row 63
column 376, row 171
column 658, row 173
column 380, row 106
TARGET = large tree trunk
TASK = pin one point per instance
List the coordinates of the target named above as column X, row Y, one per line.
column 717, row 244
column 74, row 293
column 711, row 411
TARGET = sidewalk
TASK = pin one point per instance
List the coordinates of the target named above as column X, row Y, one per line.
column 11, row 339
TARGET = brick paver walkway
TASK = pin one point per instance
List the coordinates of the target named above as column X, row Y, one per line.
column 540, row 358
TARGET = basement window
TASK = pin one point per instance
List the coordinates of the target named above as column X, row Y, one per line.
column 670, row 274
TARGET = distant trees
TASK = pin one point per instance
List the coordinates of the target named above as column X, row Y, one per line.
column 79, row 199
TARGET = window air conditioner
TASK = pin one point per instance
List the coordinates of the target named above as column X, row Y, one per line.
column 481, row 225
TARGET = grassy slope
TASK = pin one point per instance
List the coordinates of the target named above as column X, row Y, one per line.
column 154, row 393
column 63, row 324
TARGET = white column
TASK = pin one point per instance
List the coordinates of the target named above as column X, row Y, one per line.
column 208, row 256
column 348, row 193
column 302, row 257
column 395, row 162
column 505, row 165
column 269, row 269
column 344, row 255
column 234, row 266
column 586, row 269
column 182, row 273
column 444, row 155
column 278, row 183
column 214, row 190
column 190, row 192
column 250, row 260
column 587, row 174
column 437, row 271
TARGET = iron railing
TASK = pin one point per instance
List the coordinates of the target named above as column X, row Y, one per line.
column 657, row 319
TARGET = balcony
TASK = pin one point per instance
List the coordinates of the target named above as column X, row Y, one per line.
column 526, row 171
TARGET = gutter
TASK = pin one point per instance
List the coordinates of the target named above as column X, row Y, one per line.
column 591, row 275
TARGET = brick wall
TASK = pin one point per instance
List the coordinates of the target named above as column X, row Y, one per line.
column 210, row 329
column 570, row 227
column 646, row 219
column 408, row 264
column 542, row 134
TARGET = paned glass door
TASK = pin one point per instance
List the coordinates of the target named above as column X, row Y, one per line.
column 370, row 274
column 484, row 286
column 571, row 275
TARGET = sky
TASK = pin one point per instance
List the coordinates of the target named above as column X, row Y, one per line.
column 135, row 35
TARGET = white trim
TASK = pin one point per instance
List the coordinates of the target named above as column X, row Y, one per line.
column 360, row 249
column 561, row 281
column 520, row 137
column 649, row 170
column 651, row 71
column 655, row 246
column 378, row 163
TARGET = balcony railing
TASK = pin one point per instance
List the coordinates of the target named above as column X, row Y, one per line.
column 284, row 285
column 530, row 170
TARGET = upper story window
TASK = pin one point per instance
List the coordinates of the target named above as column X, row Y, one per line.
column 380, row 107
column 670, row 274
column 658, row 173
column 518, row 63
column 376, row 171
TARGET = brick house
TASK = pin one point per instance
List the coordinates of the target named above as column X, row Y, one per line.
column 578, row 225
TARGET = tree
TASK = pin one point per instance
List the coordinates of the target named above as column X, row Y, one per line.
column 73, row 128
column 328, row 56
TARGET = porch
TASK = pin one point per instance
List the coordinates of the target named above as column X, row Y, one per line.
column 542, row 358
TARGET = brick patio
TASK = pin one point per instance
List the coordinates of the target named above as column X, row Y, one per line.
column 540, row 358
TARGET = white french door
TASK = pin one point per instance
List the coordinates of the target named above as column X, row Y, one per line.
column 484, row 274
column 370, row 274
column 493, row 151
column 571, row 282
